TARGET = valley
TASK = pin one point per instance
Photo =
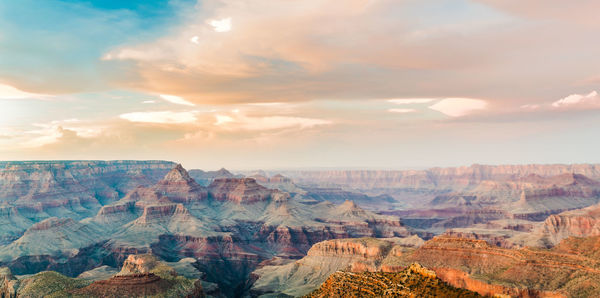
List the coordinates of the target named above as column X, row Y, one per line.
column 262, row 233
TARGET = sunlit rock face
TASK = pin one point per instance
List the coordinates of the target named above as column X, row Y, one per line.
column 464, row 263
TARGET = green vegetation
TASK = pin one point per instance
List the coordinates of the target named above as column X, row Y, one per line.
column 414, row 281
column 49, row 284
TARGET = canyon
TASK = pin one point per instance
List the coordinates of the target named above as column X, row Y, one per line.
column 285, row 233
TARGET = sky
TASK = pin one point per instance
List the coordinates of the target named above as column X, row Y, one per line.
column 378, row 84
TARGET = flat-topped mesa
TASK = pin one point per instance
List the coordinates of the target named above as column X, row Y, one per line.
column 126, row 207
column 154, row 213
column 354, row 248
column 278, row 178
column 457, row 243
column 239, row 190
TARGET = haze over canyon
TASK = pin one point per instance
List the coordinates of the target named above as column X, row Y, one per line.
column 263, row 233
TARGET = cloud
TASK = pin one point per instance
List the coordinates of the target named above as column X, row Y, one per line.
column 402, row 101
column 530, row 106
column 238, row 121
column 402, row 111
column 162, row 117
column 10, row 92
column 223, row 25
column 457, row 107
column 223, row 119
column 578, row 100
column 307, row 50
column 176, row 100
column 48, row 133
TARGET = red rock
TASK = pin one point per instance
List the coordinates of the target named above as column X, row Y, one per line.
column 239, row 190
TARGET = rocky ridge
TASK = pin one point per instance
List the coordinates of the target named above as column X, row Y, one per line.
column 144, row 276
column 570, row 269
column 229, row 228
column 414, row 281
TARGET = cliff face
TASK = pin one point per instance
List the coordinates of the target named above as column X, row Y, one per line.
column 579, row 223
column 323, row 259
column 74, row 189
column 353, row 248
column 238, row 190
column 437, row 177
column 570, row 269
column 543, row 273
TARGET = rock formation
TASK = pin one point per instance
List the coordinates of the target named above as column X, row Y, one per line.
column 579, row 223
column 238, row 190
column 75, row 189
column 205, row 178
column 414, row 281
column 141, row 276
column 570, row 269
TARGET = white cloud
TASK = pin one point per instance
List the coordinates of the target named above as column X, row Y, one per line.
column 530, row 106
column 10, row 92
column 239, row 121
column 163, row 117
column 265, row 104
column 176, row 100
column 51, row 132
column 149, row 101
column 279, row 122
column 457, row 107
column 195, row 39
column 402, row 101
column 223, row 25
column 402, row 111
column 223, row 119
column 578, row 99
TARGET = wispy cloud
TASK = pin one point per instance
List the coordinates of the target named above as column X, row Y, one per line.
column 457, row 107
column 10, row 92
column 402, row 111
column 238, row 121
column 176, row 100
column 162, row 117
column 402, row 101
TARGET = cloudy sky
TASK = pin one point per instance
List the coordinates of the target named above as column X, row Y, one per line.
column 301, row 83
